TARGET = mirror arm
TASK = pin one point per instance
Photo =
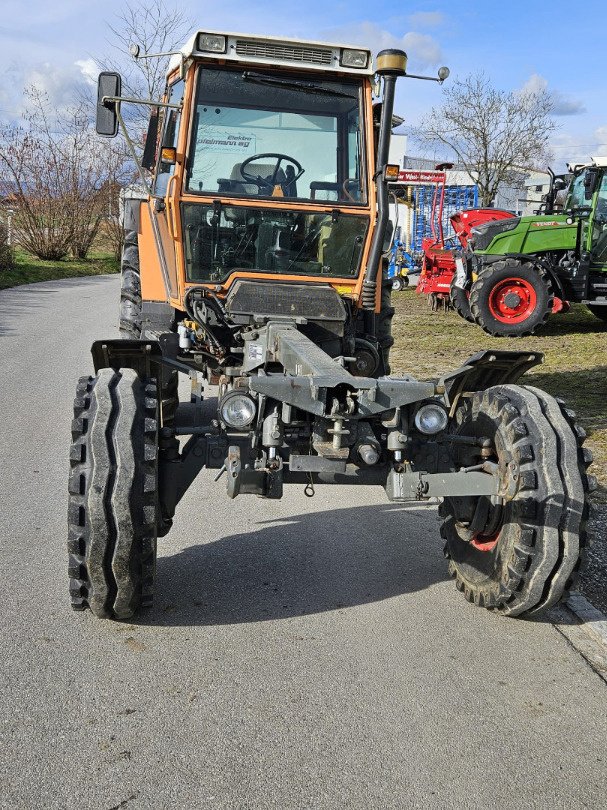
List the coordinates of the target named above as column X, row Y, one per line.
column 149, row 102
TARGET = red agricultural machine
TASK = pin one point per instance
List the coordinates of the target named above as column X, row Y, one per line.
column 504, row 303
column 442, row 257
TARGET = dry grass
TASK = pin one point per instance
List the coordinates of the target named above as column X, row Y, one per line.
column 575, row 367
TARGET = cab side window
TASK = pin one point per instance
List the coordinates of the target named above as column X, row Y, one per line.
column 169, row 137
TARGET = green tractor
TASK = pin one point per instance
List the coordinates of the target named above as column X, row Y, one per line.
column 519, row 270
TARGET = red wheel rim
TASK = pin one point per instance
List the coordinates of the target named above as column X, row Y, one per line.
column 512, row 300
column 485, row 543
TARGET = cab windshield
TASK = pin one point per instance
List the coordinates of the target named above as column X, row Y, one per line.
column 577, row 193
column 256, row 134
column 222, row 239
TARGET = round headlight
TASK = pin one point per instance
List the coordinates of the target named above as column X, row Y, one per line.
column 237, row 410
column 431, row 418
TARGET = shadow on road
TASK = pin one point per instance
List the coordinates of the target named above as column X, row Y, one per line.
column 308, row 563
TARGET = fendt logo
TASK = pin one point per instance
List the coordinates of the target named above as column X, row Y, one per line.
column 545, row 224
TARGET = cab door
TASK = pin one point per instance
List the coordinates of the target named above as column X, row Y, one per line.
column 597, row 226
column 164, row 208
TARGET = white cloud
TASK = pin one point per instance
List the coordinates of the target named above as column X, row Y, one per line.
column 89, row 70
column 535, row 84
column 66, row 87
column 567, row 106
column 426, row 19
column 600, row 134
column 61, row 85
column 578, row 147
column 561, row 104
column 422, row 49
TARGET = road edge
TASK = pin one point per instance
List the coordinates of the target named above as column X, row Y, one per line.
column 585, row 628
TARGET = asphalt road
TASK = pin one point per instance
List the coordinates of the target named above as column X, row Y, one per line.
column 302, row 653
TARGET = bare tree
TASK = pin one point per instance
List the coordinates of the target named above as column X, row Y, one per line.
column 157, row 28
column 494, row 134
column 56, row 172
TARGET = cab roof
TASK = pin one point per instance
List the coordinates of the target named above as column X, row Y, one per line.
column 599, row 162
column 277, row 51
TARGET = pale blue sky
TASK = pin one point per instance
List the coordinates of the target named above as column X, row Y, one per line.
column 555, row 45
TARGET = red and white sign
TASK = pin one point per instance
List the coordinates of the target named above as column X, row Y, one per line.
column 408, row 176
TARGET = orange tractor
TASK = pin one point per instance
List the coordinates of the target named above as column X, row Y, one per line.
column 254, row 267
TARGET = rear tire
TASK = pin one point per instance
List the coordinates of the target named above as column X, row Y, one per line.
column 523, row 556
column 460, row 302
column 383, row 326
column 511, row 298
column 397, row 284
column 112, row 511
column 599, row 312
column 131, row 321
column 130, row 288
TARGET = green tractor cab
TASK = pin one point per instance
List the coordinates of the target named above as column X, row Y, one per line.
column 520, row 270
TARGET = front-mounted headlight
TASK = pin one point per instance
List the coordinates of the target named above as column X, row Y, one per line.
column 212, row 43
column 354, row 59
column 431, row 418
column 237, row 410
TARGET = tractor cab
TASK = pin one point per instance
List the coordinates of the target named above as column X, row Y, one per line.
column 587, row 202
column 271, row 173
column 264, row 168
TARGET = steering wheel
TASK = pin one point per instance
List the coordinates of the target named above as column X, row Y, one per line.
column 350, row 181
column 263, row 182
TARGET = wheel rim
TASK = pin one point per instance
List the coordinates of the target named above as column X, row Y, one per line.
column 485, row 542
column 512, row 300
column 487, row 537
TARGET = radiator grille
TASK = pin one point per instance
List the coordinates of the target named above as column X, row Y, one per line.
column 310, row 301
column 283, row 52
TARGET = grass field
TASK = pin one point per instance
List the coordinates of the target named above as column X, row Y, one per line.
column 29, row 269
column 429, row 344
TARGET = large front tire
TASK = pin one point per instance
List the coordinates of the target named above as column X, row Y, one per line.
column 112, row 512
column 511, row 298
column 523, row 555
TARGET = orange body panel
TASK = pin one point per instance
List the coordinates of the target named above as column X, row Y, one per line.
column 152, row 282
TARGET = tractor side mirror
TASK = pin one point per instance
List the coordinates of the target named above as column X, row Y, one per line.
column 590, row 181
column 559, row 184
column 109, row 86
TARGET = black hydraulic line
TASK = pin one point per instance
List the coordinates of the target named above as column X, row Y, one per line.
column 375, row 253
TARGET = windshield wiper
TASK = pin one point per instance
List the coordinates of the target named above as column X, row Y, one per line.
column 306, row 87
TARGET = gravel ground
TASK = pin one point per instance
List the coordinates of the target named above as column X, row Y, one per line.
column 593, row 582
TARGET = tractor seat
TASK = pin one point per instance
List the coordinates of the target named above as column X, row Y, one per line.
column 237, row 184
